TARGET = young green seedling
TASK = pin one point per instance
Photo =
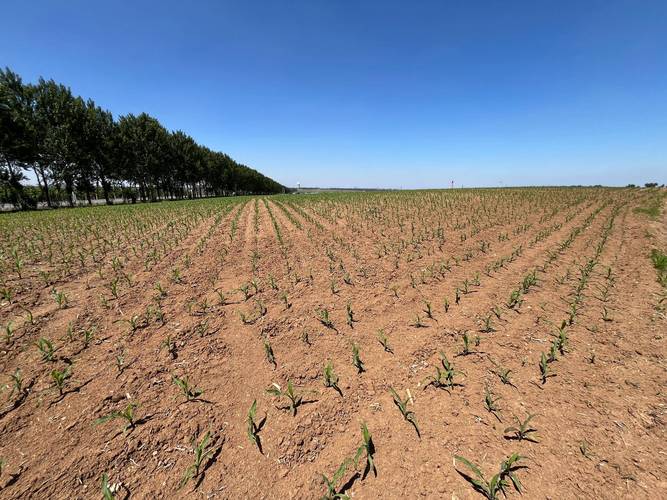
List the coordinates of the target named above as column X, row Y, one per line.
column 170, row 347
column 490, row 403
column 306, row 338
column 17, row 383
column 505, row 375
column 428, row 310
column 127, row 415
column 255, row 427
column 384, row 341
column 418, row 322
column 190, row 393
column 488, row 325
column 60, row 298
column 545, row 371
column 294, row 399
column 444, row 377
column 107, row 494
column 268, row 351
column 202, row 452
column 60, row 377
column 46, row 348
column 466, row 344
column 331, row 493
column 498, row 483
column 356, row 359
column 323, row 317
column 553, row 352
column 330, row 378
column 9, row 333
column 522, row 431
column 402, row 406
column 284, row 297
column 368, row 447
column 350, row 315
column 562, row 339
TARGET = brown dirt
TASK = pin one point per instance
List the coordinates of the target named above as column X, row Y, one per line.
column 600, row 420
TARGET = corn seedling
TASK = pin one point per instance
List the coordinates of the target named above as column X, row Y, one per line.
column 294, row 399
column 17, row 383
column 330, row 377
column 202, row 452
column 268, row 351
column 488, row 325
column 88, row 334
column 418, row 323
column 305, row 338
column 254, row 427
column 499, row 482
column 505, row 375
column 466, row 344
column 553, row 352
column 190, row 393
column 402, row 405
column 367, row 447
column 356, row 359
column 60, row 377
column 384, row 341
column 9, row 333
column 46, row 349
column 350, row 315
column 331, row 493
column 245, row 290
column 134, row 323
column 444, row 377
column 222, row 297
column 522, row 431
column 562, row 339
column 285, row 300
column 490, row 403
column 127, row 415
column 161, row 292
column 31, row 319
column 428, row 310
column 515, row 300
column 545, row 371
column 323, row 317
column 60, row 298
column 170, row 346
column 107, row 494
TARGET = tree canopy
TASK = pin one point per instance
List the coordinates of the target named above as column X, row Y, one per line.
column 73, row 145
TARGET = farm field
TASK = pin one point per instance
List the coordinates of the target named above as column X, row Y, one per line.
column 472, row 323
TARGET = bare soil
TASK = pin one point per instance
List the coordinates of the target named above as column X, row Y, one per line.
column 600, row 418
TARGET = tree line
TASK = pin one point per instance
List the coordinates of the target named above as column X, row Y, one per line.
column 74, row 146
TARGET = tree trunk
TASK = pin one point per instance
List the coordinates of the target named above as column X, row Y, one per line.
column 39, row 172
column 69, row 188
column 106, row 187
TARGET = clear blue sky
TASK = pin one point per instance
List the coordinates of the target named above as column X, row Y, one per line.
column 375, row 94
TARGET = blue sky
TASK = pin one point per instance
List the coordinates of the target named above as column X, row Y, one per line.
column 375, row 94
